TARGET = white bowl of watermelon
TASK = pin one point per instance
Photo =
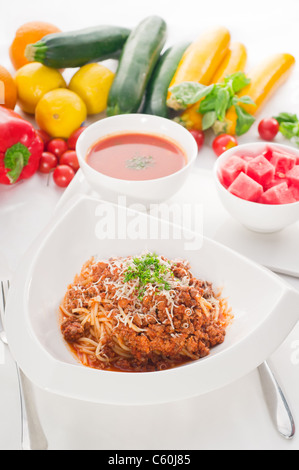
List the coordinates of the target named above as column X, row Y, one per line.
column 258, row 184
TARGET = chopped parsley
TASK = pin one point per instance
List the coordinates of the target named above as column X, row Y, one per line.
column 140, row 163
column 148, row 270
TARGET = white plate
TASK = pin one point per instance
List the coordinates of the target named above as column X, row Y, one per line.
column 265, row 309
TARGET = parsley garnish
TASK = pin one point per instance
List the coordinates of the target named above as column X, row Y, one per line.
column 140, row 163
column 148, row 270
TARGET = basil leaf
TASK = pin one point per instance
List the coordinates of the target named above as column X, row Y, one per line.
column 187, row 93
column 208, row 120
column 237, row 81
column 289, row 129
column 221, row 103
column 233, row 101
column 208, row 103
column 245, row 99
column 286, row 117
column 244, row 121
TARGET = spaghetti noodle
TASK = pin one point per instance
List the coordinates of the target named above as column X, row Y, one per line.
column 140, row 314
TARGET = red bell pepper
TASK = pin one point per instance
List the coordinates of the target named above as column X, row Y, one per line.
column 20, row 148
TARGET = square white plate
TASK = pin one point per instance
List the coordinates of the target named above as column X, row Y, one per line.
column 265, row 309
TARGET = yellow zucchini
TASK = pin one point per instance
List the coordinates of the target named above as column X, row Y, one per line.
column 265, row 80
column 191, row 118
column 234, row 61
column 201, row 59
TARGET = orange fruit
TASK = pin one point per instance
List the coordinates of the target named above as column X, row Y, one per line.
column 29, row 33
column 8, row 89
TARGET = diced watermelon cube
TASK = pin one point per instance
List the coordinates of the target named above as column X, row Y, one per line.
column 278, row 179
column 268, row 153
column 260, row 170
column 231, row 169
column 295, row 192
column 283, row 162
column 269, row 150
column 280, row 194
column 293, row 176
column 246, row 188
column 247, row 158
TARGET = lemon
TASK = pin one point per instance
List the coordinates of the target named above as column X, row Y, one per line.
column 33, row 81
column 93, row 82
column 60, row 112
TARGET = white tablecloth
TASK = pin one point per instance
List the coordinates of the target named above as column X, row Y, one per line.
column 235, row 417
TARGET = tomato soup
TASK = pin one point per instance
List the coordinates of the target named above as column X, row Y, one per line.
column 136, row 157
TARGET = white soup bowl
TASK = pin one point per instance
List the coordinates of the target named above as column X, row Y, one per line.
column 148, row 191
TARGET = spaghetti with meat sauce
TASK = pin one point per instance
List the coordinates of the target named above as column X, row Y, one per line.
column 141, row 314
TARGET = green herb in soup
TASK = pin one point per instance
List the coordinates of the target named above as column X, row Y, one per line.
column 140, row 163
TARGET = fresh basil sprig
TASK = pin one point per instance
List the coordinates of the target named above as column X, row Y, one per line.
column 289, row 126
column 187, row 93
column 215, row 100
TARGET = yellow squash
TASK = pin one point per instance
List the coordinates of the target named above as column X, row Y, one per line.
column 234, row 61
column 191, row 118
column 265, row 80
column 202, row 58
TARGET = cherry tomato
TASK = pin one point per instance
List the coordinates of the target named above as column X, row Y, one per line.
column 224, row 142
column 47, row 163
column 44, row 137
column 268, row 129
column 199, row 136
column 63, row 175
column 70, row 158
column 72, row 141
column 57, row 146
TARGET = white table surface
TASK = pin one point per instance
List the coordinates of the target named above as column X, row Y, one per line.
column 233, row 418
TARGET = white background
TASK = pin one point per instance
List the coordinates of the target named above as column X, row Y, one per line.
column 235, row 417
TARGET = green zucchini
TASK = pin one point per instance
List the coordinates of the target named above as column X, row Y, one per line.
column 137, row 62
column 77, row 48
column 156, row 94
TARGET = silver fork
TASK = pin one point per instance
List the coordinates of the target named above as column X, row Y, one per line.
column 32, row 434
